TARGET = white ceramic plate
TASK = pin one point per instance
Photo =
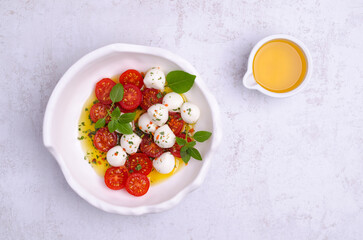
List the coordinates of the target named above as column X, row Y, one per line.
column 60, row 129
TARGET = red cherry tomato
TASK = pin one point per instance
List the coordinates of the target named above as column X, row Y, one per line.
column 116, row 177
column 150, row 148
column 139, row 162
column 99, row 111
column 103, row 89
column 150, row 96
column 175, row 122
column 104, row 140
column 132, row 76
column 175, row 149
column 137, row 184
column 124, row 110
column 132, row 97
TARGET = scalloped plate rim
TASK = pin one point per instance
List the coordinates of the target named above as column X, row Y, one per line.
column 122, row 47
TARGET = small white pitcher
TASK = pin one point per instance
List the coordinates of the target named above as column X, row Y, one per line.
column 249, row 80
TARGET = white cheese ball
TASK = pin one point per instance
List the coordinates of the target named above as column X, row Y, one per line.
column 130, row 143
column 116, row 156
column 155, row 78
column 158, row 113
column 164, row 137
column 190, row 112
column 173, row 102
column 146, row 124
column 165, row 163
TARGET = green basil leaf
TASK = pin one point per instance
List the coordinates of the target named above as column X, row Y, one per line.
column 127, row 117
column 117, row 93
column 185, row 156
column 194, row 153
column 202, row 136
column 191, row 144
column 180, row 141
column 100, row 123
column 112, row 125
column 184, row 149
column 116, row 113
column 180, row 81
column 124, row 128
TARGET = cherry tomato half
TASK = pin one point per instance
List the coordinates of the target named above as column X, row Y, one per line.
column 137, row 184
column 175, row 149
column 150, row 148
column 132, row 97
column 132, row 76
column 150, row 96
column 103, row 89
column 139, row 162
column 104, row 140
column 99, row 111
column 116, row 177
column 124, row 110
column 175, row 122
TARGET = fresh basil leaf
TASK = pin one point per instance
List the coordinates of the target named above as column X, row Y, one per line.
column 194, row 153
column 116, row 113
column 100, row 123
column 184, row 149
column 185, row 156
column 180, row 141
column 117, row 93
column 191, row 144
column 127, row 117
column 180, row 81
column 112, row 125
column 202, row 136
column 124, row 128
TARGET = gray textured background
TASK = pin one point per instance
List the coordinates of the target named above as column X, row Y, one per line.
column 293, row 167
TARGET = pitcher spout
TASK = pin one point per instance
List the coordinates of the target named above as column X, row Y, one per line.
column 249, row 81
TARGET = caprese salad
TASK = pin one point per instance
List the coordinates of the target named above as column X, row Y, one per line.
column 140, row 128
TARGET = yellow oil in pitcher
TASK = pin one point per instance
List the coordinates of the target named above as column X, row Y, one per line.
column 279, row 66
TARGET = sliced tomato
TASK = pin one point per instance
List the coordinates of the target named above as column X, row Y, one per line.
column 175, row 150
column 124, row 110
column 139, row 162
column 132, row 76
column 116, row 177
column 137, row 184
column 132, row 97
column 104, row 140
column 103, row 89
column 99, row 111
column 150, row 148
column 175, row 122
column 150, row 96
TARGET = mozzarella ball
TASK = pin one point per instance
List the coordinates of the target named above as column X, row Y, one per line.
column 130, row 143
column 146, row 125
column 165, row 163
column 190, row 112
column 158, row 113
column 155, row 78
column 164, row 137
column 173, row 102
column 116, row 156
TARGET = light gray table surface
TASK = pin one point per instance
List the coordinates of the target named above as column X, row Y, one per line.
column 287, row 168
